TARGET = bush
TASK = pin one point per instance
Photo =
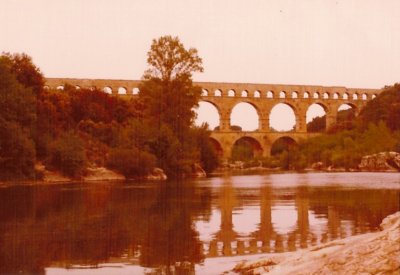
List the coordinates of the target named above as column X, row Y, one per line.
column 17, row 152
column 67, row 154
column 131, row 162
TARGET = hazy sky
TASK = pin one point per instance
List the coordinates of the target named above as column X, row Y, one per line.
column 346, row 43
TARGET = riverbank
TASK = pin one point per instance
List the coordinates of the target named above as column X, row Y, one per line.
column 371, row 253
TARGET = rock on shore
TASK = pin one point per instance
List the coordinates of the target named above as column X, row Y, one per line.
column 371, row 253
column 384, row 161
column 102, row 174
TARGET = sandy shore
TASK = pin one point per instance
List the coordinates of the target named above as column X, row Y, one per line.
column 371, row 253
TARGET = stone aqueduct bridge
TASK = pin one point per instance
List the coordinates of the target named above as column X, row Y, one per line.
column 263, row 97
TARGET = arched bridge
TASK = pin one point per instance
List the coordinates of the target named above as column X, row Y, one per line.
column 263, row 97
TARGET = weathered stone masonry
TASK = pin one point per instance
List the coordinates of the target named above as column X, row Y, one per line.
column 263, row 97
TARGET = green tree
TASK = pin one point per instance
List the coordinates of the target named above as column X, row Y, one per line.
column 67, row 154
column 17, row 152
column 26, row 72
column 169, row 96
column 17, row 103
column 385, row 107
column 169, row 60
column 208, row 154
column 17, row 121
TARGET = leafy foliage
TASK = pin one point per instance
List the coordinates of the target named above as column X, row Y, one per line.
column 131, row 162
column 317, row 124
column 169, row 60
column 67, row 154
column 169, row 97
column 17, row 152
column 17, row 121
column 385, row 107
column 242, row 150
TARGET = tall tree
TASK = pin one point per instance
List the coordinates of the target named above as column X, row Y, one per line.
column 25, row 71
column 169, row 96
column 17, row 119
column 169, row 60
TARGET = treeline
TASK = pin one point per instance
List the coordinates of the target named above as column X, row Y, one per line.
column 376, row 129
column 69, row 130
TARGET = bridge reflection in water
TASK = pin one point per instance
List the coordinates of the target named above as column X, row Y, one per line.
column 273, row 235
column 158, row 226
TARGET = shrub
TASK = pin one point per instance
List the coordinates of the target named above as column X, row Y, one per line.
column 67, row 154
column 131, row 162
column 17, row 152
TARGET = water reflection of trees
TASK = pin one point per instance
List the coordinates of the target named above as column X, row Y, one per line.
column 62, row 226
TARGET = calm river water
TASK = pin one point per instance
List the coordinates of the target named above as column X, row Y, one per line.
column 177, row 228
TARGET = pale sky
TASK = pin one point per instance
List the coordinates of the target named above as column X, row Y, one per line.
column 334, row 43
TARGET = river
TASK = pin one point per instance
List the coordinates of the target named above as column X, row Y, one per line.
column 180, row 227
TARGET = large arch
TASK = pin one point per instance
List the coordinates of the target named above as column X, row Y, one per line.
column 284, row 143
column 208, row 112
column 217, row 146
column 346, row 112
column 283, row 118
column 246, row 115
column 316, row 117
column 246, row 148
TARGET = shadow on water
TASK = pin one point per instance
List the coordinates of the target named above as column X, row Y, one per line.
column 175, row 226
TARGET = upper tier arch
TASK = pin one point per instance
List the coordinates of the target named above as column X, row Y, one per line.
column 250, row 88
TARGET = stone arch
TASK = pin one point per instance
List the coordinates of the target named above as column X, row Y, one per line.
column 349, row 105
column 217, row 92
column 204, row 92
column 217, row 146
column 346, row 112
column 270, row 94
column 325, row 95
column 316, row 121
column 45, row 87
column 122, row 91
column 282, row 94
column 306, row 95
column 257, row 94
column 345, row 96
column 290, row 117
column 60, row 88
column 364, row 96
column 253, row 107
column 336, row 96
column 107, row 90
column 135, row 91
column 253, row 143
column 315, row 95
column 277, row 148
column 244, row 93
column 355, row 96
column 231, row 93
column 295, row 94
column 208, row 115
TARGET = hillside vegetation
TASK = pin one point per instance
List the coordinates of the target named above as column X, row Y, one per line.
column 376, row 129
